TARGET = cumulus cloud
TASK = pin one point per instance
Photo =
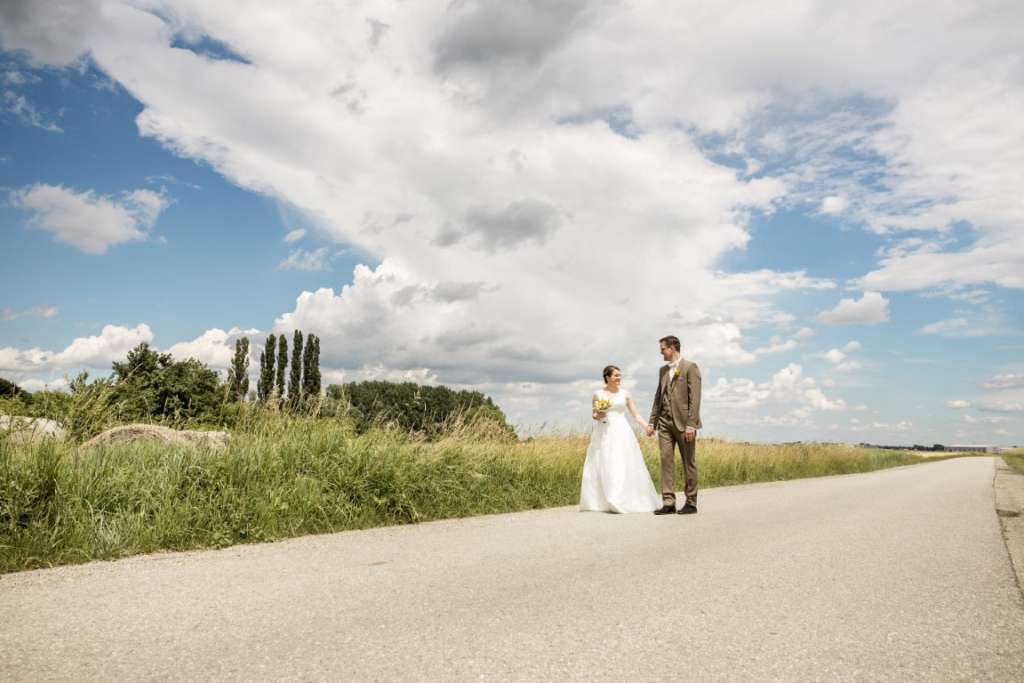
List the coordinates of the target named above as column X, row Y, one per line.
column 959, row 404
column 788, row 387
column 559, row 154
column 871, row 309
column 90, row 222
column 97, row 351
column 34, row 384
column 112, row 343
column 216, row 347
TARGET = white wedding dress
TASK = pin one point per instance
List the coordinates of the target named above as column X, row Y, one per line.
column 615, row 478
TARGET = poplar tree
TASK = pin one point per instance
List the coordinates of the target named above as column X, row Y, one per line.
column 238, row 375
column 295, row 379
column 311, row 366
column 314, row 371
column 265, row 387
column 282, row 363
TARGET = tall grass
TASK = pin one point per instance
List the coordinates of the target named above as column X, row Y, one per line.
column 1015, row 459
column 286, row 476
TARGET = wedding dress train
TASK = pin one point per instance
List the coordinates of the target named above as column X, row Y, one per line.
column 615, row 477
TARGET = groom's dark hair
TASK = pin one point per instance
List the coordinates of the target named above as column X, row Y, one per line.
column 670, row 341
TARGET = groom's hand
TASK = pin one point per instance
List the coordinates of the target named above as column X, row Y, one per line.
column 650, row 430
column 691, row 434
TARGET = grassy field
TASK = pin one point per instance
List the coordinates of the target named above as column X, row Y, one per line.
column 1015, row 459
column 284, row 477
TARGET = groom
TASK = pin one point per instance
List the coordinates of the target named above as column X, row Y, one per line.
column 676, row 418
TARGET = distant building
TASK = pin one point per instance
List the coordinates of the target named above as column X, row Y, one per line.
column 973, row 448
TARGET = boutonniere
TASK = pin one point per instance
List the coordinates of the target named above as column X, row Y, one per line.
column 676, row 372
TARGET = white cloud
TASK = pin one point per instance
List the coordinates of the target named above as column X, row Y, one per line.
column 34, row 384
column 901, row 426
column 804, row 333
column 787, row 387
column 22, row 359
column 33, row 312
column 300, row 259
column 18, row 106
column 89, row 222
column 448, row 147
column 959, row 404
column 295, row 235
column 216, row 347
column 872, row 308
column 834, row 205
column 835, row 356
column 1001, row 405
column 776, row 346
column 1009, row 380
column 852, row 346
column 945, row 326
column 379, row 373
column 98, row 351
column 112, row 343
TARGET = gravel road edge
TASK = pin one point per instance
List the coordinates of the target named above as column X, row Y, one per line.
column 1009, row 495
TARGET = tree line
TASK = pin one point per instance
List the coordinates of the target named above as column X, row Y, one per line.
column 151, row 386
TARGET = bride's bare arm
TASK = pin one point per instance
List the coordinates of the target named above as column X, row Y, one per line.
column 634, row 412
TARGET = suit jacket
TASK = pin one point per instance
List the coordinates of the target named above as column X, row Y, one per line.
column 684, row 394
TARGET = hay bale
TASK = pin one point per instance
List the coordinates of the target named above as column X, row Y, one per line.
column 144, row 433
column 21, row 429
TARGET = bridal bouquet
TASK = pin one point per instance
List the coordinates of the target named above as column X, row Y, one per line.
column 601, row 405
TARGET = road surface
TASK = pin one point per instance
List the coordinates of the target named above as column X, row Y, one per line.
column 890, row 575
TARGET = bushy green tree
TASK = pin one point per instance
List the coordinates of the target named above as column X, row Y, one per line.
column 9, row 389
column 238, row 375
column 265, row 386
column 151, row 385
column 282, row 364
column 423, row 409
column 295, row 380
column 14, row 400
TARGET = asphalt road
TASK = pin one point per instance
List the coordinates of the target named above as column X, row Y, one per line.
column 896, row 574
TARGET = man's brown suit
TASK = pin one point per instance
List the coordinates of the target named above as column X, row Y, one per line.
column 676, row 407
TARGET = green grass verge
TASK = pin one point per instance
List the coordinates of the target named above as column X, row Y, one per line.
column 61, row 505
column 1015, row 459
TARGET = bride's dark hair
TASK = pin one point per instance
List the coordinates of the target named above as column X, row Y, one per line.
column 609, row 369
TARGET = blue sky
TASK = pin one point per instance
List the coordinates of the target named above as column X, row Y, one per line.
column 838, row 245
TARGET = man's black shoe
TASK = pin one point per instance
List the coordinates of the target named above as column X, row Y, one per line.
column 666, row 510
column 688, row 509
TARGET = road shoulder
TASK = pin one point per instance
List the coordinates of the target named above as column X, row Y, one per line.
column 1009, row 495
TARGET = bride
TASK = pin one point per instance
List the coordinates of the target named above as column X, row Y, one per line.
column 615, row 478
